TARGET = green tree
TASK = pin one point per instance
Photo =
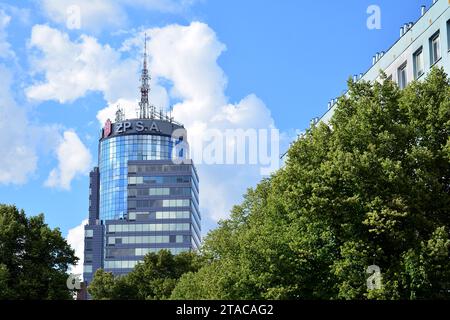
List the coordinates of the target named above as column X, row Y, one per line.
column 372, row 187
column 152, row 279
column 103, row 286
column 34, row 259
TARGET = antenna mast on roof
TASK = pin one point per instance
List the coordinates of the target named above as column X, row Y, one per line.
column 145, row 109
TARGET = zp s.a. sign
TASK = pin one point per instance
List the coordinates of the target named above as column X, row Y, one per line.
column 138, row 126
column 132, row 126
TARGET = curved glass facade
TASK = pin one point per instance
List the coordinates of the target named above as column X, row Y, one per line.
column 114, row 155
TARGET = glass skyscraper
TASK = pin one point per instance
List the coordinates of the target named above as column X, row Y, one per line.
column 144, row 194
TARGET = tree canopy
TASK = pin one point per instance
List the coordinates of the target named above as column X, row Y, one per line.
column 372, row 187
column 34, row 259
column 369, row 188
column 152, row 279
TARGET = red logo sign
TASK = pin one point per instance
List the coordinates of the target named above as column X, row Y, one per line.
column 107, row 128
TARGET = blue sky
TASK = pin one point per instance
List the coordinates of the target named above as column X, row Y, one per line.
column 289, row 58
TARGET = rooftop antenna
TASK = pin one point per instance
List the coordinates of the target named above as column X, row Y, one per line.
column 145, row 110
column 170, row 113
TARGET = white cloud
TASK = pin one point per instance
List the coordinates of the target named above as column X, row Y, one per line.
column 73, row 159
column 20, row 14
column 5, row 47
column 158, row 97
column 184, row 59
column 75, row 238
column 72, row 69
column 20, row 140
column 99, row 14
column 187, row 56
column 18, row 159
column 94, row 14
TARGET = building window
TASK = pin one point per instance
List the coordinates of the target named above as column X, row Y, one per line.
column 176, row 203
column 448, row 35
column 402, row 76
column 435, row 48
column 88, row 245
column 123, row 252
column 87, row 268
column 172, row 214
column 88, row 257
column 88, row 233
column 418, row 63
column 120, row 264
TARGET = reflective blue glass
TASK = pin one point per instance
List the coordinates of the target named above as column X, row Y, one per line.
column 113, row 160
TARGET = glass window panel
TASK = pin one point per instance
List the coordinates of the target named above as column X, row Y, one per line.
column 418, row 63
column 87, row 268
column 435, row 47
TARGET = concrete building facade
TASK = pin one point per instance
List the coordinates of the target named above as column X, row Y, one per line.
column 422, row 45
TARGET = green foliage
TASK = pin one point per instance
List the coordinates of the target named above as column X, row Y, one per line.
column 370, row 188
column 102, row 285
column 153, row 279
column 34, row 259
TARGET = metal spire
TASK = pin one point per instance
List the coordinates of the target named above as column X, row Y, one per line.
column 145, row 110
